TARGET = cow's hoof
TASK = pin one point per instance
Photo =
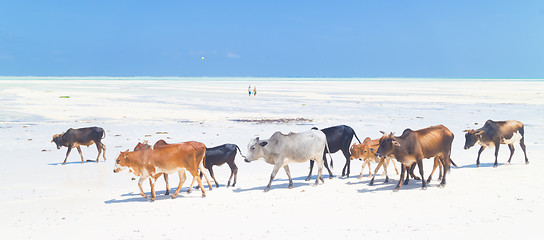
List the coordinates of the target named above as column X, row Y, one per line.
column 210, row 188
column 203, row 196
column 428, row 181
column 386, row 181
column 507, row 163
column 167, row 193
column 189, row 191
column 371, row 183
column 267, row 189
column 396, row 189
column 526, row 162
column 477, row 165
column 331, row 176
column 442, row 185
column 495, row 165
column 417, row 178
column 308, row 178
column 290, row 186
column 424, row 188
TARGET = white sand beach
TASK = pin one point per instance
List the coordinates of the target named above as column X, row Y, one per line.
column 42, row 199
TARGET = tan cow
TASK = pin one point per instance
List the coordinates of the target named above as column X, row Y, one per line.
column 367, row 152
column 170, row 158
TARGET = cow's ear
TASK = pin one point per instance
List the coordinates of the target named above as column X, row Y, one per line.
column 479, row 133
column 383, row 132
column 257, row 138
column 263, row 144
column 396, row 143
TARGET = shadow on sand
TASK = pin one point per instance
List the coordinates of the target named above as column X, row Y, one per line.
column 69, row 163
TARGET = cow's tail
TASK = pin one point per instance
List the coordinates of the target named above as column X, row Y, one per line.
column 328, row 151
column 103, row 134
column 240, row 151
column 452, row 163
column 355, row 135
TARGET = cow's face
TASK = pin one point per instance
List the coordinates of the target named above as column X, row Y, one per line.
column 471, row 138
column 354, row 152
column 121, row 163
column 387, row 145
column 255, row 149
column 57, row 138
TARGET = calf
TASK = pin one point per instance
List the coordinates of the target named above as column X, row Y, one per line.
column 151, row 163
column 281, row 149
column 494, row 134
column 74, row 138
column 414, row 146
column 338, row 138
column 367, row 152
column 220, row 155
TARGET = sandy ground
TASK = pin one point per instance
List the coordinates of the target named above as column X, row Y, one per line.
column 44, row 200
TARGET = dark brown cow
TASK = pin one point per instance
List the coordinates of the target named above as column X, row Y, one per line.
column 494, row 134
column 151, row 163
column 73, row 138
column 414, row 146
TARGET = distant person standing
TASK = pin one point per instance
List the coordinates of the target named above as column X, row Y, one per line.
column 249, row 89
column 254, row 90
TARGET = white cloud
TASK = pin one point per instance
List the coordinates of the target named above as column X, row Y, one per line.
column 232, row 55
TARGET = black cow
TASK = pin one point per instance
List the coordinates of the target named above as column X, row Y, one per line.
column 220, row 155
column 338, row 138
column 73, row 138
column 494, row 134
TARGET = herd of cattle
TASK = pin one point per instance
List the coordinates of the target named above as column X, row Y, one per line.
column 281, row 149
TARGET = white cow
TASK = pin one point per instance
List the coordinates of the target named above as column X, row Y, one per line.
column 281, row 149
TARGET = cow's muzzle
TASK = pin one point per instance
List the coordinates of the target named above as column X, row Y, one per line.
column 58, row 147
column 116, row 170
column 246, row 160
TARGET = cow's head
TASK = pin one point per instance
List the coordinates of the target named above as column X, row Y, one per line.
column 388, row 143
column 57, row 138
column 471, row 137
column 255, row 149
column 354, row 151
column 122, row 161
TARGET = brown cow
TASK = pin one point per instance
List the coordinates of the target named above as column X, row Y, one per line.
column 414, row 146
column 495, row 133
column 73, row 138
column 151, row 163
column 367, row 152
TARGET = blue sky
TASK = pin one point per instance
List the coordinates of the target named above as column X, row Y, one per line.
column 448, row 39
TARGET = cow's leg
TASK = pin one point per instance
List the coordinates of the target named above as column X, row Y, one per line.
column 182, row 179
column 376, row 171
column 140, row 181
column 80, row 154
column 286, row 168
column 67, row 153
column 478, row 158
column 385, row 170
column 277, row 167
column 152, row 184
column 409, row 172
column 435, row 164
column 103, row 150
column 327, row 166
column 346, row 153
column 319, row 173
column 195, row 175
column 213, row 176
column 311, row 168
column 522, row 144
column 497, row 146
column 233, row 172
column 412, row 172
column 366, row 162
column 167, row 187
column 444, row 166
column 511, row 146
column 420, row 166
column 394, row 165
column 399, row 184
column 99, row 148
column 201, row 168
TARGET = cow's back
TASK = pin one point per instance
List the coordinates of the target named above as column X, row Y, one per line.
column 301, row 147
column 172, row 157
column 432, row 140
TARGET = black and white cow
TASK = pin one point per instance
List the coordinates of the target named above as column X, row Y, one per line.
column 338, row 138
column 281, row 149
column 494, row 134
column 73, row 138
